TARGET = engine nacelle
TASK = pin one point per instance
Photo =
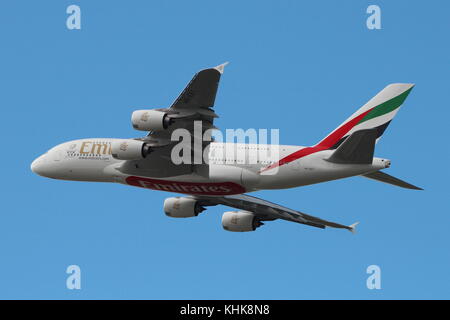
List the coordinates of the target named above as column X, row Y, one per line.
column 129, row 149
column 179, row 207
column 150, row 120
column 240, row 221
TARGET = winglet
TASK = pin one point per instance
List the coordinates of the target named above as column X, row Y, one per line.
column 221, row 67
column 352, row 227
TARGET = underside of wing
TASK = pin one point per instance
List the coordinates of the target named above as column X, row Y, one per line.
column 264, row 210
column 201, row 90
column 192, row 115
column 192, row 107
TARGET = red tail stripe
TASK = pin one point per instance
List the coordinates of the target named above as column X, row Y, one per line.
column 326, row 143
column 337, row 134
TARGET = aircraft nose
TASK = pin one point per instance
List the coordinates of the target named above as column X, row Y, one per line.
column 38, row 166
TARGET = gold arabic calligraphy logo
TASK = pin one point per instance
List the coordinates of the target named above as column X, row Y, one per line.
column 176, row 204
column 124, row 146
column 144, row 117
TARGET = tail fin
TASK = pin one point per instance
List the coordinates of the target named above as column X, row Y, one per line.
column 377, row 113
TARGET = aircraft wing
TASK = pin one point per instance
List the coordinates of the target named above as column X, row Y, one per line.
column 201, row 90
column 191, row 111
column 266, row 211
column 193, row 104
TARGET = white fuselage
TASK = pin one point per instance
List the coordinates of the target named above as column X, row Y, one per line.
column 233, row 168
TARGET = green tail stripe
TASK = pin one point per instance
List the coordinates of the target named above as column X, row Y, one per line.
column 386, row 107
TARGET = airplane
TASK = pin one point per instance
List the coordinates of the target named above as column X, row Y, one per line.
column 222, row 179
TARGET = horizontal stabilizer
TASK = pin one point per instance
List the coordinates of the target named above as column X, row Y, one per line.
column 358, row 148
column 384, row 177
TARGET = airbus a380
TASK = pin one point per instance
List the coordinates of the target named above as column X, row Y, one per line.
column 223, row 179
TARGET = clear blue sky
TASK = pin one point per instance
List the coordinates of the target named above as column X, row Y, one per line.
column 301, row 66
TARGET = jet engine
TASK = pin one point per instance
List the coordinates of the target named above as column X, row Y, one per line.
column 240, row 221
column 179, row 207
column 129, row 149
column 150, row 120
